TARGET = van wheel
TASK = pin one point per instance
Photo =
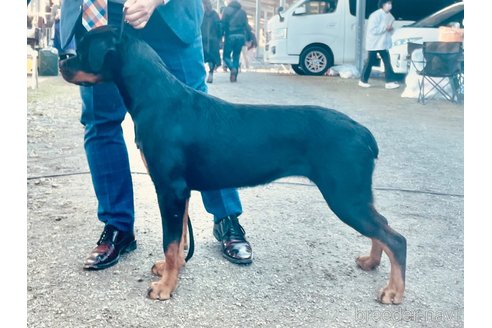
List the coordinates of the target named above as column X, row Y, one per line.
column 316, row 60
column 296, row 68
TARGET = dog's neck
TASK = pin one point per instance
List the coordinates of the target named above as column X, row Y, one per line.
column 138, row 79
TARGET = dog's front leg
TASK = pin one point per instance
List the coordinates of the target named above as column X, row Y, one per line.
column 159, row 267
column 173, row 213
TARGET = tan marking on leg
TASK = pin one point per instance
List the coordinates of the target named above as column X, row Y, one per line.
column 370, row 262
column 163, row 289
column 159, row 266
column 169, row 269
column 393, row 292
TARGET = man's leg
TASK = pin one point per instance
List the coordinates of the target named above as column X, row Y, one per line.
column 222, row 203
column 107, row 156
column 102, row 113
column 388, row 70
column 211, row 68
column 366, row 71
column 238, row 44
column 226, row 55
column 186, row 63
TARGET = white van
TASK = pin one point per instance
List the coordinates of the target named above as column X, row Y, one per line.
column 313, row 35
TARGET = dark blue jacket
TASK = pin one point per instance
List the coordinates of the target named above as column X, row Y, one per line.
column 184, row 17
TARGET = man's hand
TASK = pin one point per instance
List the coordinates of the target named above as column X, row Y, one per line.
column 138, row 12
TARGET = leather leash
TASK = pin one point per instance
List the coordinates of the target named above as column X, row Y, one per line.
column 191, row 245
column 122, row 24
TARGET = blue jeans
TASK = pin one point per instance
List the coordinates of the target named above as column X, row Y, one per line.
column 232, row 47
column 103, row 112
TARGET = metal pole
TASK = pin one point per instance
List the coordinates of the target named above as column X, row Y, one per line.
column 257, row 23
column 359, row 39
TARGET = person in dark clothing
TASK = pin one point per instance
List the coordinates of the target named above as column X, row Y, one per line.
column 235, row 26
column 211, row 36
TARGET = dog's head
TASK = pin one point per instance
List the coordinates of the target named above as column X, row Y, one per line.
column 97, row 58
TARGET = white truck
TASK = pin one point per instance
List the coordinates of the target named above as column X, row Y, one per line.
column 313, row 35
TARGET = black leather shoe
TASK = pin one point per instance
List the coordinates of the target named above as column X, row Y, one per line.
column 110, row 246
column 235, row 247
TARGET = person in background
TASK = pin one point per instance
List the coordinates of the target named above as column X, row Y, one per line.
column 69, row 49
column 211, row 37
column 235, row 26
column 378, row 41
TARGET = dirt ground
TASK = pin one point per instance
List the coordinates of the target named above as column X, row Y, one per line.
column 303, row 274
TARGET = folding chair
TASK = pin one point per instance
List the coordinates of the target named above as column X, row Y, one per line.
column 441, row 71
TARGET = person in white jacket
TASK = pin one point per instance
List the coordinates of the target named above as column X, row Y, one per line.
column 378, row 41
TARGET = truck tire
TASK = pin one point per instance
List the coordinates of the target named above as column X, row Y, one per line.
column 296, row 68
column 316, row 60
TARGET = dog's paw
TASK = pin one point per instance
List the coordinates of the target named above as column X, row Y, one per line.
column 159, row 291
column 367, row 263
column 158, row 268
column 390, row 295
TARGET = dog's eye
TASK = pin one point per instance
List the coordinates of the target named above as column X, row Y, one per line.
column 65, row 56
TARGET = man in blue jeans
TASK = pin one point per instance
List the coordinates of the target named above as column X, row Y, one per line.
column 235, row 26
column 172, row 29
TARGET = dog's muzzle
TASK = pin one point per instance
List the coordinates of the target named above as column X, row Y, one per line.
column 71, row 72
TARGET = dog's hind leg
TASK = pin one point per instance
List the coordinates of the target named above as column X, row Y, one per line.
column 173, row 206
column 351, row 200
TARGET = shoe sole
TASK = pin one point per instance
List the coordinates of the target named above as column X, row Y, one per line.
column 131, row 247
column 236, row 261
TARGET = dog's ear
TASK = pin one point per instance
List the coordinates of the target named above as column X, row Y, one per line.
column 99, row 49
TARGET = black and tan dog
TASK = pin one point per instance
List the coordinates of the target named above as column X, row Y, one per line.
column 194, row 141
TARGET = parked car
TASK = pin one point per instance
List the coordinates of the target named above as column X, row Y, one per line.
column 424, row 30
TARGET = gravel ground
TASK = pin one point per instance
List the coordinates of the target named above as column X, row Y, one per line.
column 303, row 272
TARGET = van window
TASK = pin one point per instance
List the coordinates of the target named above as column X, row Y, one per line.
column 412, row 10
column 316, row 7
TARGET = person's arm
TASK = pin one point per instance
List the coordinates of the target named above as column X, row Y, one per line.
column 138, row 12
column 391, row 20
